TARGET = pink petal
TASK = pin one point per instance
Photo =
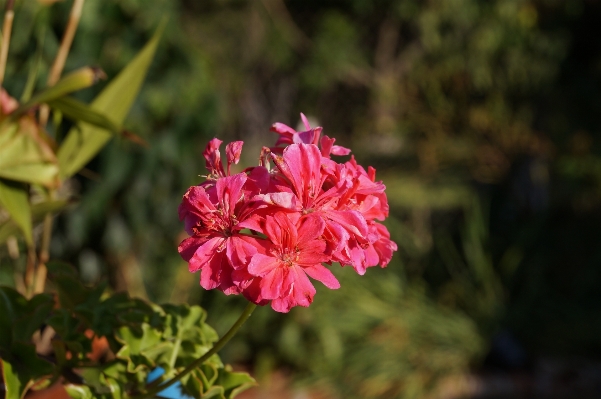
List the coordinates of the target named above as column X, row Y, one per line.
column 313, row 253
column 303, row 164
column 311, row 227
column 304, row 137
column 188, row 247
column 233, row 151
column 326, row 146
column 288, row 237
column 204, row 253
column 274, row 283
column 213, row 157
column 195, row 201
column 282, row 129
column 229, row 191
column 302, row 290
column 305, row 121
column 260, row 264
column 282, row 305
column 336, row 236
column 253, row 222
column 252, row 292
column 260, row 178
column 384, row 246
column 280, row 230
column 217, row 274
column 239, row 249
column 284, row 200
column 352, row 221
column 323, row 274
column 338, row 150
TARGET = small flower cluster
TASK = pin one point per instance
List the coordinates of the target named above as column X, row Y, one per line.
column 261, row 233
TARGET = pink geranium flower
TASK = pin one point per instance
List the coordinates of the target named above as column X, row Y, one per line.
column 216, row 246
column 293, row 253
column 263, row 232
column 301, row 167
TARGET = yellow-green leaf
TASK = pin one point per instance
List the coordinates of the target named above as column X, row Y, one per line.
column 77, row 80
column 25, row 155
column 83, row 143
column 38, row 211
column 15, row 386
column 15, row 199
column 82, row 112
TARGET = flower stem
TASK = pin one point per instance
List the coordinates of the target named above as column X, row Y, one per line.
column 196, row 363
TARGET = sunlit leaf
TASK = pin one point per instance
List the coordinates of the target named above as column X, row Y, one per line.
column 38, row 211
column 234, row 383
column 82, row 112
column 83, row 143
column 20, row 369
column 14, row 197
column 25, row 154
column 137, row 343
column 15, row 386
column 79, row 391
column 77, row 80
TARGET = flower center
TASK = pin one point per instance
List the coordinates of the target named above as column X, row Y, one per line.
column 289, row 257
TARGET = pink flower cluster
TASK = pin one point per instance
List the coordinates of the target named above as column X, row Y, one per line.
column 261, row 233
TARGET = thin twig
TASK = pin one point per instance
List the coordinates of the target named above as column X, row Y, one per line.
column 7, row 27
column 61, row 55
column 63, row 51
column 30, row 271
column 53, row 77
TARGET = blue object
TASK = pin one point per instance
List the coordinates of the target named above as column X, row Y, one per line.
column 172, row 392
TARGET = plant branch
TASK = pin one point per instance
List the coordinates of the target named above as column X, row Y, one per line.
column 53, row 77
column 216, row 348
column 61, row 55
column 63, row 51
column 7, row 27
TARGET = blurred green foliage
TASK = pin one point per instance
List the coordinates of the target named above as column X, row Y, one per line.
column 480, row 116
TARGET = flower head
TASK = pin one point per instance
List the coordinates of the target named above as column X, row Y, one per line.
column 293, row 252
column 264, row 232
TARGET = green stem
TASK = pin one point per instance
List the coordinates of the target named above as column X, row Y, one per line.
column 216, row 348
column 176, row 347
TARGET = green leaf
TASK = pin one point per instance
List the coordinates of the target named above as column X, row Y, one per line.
column 15, row 386
column 141, row 346
column 115, row 390
column 10, row 228
column 77, row 80
column 115, row 101
column 14, row 197
column 10, row 302
column 35, row 314
column 21, row 368
column 82, row 112
column 20, row 318
column 79, row 391
column 25, row 153
column 234, row 383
